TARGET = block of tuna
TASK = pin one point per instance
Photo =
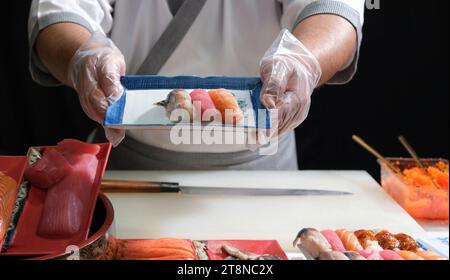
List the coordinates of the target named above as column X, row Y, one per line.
column 66, row 202
column 49, row 170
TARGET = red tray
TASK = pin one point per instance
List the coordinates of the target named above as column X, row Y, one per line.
column 259, row 247
column 26, row 242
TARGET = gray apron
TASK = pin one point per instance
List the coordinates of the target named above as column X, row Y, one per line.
column 134, row 155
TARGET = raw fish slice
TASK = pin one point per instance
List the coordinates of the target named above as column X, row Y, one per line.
column 410, row 256
column 334, row 240
column 367, row 240
column 349, row 240
column 313, row 242
column 178, row 99
column 354, row 256
column 371, row 255
column 76, row 147
column 333, row 256
column 206, row 104
column 8, row 194
column 49, row 170
column 66, row 203
column 227, row 105
column 431, row 256
column 389, row 255
column 387, row 240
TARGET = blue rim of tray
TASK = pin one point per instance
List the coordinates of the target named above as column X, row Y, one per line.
column 114, row 114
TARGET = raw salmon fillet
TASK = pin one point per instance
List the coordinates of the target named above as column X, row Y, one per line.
column 8, row 194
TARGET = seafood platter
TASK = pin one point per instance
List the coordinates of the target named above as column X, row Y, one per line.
column 154, row 102
column 52, row 207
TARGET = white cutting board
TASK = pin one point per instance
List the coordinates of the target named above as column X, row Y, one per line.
column 256, row 218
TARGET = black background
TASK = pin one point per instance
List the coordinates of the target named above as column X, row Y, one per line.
column 401, row 88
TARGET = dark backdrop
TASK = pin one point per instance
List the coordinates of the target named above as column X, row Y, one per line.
column 401, row 88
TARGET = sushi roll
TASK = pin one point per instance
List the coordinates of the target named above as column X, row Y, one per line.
column 312, row 242
column 367, row 240
column 178, row 99
column 201, row 98
column 349, row 240
column 227, row 105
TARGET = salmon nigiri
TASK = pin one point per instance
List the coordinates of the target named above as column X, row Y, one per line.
column 410, row 256
column 227, row 105
column 349, row 240
column 7, row 199
column 208, row 109
column 431, row 256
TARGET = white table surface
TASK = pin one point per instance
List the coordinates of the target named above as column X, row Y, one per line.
column 256, row 218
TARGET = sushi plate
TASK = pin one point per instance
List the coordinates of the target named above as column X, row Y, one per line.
column 138, row 109
column 27, row 242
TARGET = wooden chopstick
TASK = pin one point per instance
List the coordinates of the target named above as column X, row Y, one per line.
column 416, row 157
column 374, row 152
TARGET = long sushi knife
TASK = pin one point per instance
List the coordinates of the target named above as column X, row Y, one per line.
column 125, row 186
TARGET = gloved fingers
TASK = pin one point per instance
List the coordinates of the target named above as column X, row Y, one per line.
column 114, row 136
column 109, row 71
column 275, row 76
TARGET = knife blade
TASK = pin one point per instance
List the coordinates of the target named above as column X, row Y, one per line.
column 127, row 186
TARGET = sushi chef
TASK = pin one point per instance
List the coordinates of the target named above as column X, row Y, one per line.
column 295, row 46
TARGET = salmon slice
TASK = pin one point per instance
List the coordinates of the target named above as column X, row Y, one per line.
column 410, row 256
column 431, row 256
column 227, row 105
column 349, row 240
column 8, row 194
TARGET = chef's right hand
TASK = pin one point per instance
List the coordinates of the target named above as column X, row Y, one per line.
column 94, row 72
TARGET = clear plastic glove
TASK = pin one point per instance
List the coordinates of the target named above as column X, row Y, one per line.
column 94, row 72
column 290, row 73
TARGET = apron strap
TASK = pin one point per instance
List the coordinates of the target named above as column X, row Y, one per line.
column 172, row 37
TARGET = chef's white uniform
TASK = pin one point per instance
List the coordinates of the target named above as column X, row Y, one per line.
column 228, row 38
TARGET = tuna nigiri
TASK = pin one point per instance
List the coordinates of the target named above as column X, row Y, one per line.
column 389, row 255
column 371, row 255
column 8, row 194
column 333, row 256
column 208, row 109
column 312, row 242
column 334, row 240
column 227, row 105
column 367, row 240
column 349, row 240
column 410, row 256
column 429, row 255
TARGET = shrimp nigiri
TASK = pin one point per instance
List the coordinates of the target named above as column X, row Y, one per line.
column 227, row 105
column 349, row 240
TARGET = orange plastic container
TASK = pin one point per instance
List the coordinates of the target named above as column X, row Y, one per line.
column 421, row 202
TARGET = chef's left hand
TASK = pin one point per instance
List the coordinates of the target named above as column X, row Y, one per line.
column 290, row 73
